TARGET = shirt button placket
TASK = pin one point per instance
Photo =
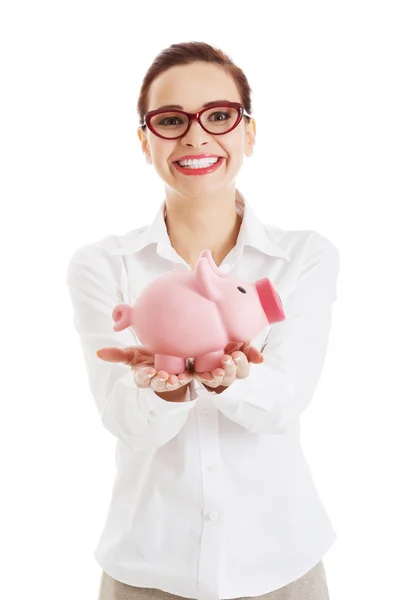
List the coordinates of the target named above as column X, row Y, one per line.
column 210, row 457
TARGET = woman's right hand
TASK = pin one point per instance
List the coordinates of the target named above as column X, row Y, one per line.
column 141, row 361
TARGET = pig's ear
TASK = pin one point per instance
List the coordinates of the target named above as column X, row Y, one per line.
column 206, row 280
column 208, row 255
column 123, row 316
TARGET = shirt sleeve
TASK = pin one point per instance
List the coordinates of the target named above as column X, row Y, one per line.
column 137, row 416
column 278, row 390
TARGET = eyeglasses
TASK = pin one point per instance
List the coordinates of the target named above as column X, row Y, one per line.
column 173, row 124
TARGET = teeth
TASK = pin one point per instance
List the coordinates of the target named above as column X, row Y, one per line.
column 198, row 164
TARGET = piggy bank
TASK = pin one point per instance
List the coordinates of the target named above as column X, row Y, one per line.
column 195, row 314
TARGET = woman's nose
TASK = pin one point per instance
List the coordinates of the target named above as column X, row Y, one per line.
column 195, row 134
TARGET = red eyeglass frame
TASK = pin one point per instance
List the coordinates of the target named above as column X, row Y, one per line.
column 194, row 117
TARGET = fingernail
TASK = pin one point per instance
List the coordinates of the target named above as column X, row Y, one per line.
column 228, row 361
column 237, row 359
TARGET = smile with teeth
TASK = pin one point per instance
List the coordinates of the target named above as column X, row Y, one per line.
column 197, row 163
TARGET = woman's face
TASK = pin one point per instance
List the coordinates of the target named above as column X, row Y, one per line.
column 191, row 86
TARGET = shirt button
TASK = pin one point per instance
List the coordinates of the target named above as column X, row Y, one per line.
column 206, row 415
column 210, row 469
column 213, row 515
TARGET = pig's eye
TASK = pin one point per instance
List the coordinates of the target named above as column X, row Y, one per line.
column 242, row 290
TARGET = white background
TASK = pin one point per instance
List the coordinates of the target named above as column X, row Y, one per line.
column 325, row 81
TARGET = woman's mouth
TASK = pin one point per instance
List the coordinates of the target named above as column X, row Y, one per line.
column 193, row 170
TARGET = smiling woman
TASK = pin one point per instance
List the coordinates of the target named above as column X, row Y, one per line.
column 194, row 104
column 214, row 496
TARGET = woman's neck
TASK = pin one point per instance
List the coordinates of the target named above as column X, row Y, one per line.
column 194, row 225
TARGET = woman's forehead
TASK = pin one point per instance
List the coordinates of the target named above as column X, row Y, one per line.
column 185, row 86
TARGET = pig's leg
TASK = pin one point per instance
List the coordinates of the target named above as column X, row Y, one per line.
column 209, row 361
column 172, row 364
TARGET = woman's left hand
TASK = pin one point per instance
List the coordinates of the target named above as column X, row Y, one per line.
column 240, row 357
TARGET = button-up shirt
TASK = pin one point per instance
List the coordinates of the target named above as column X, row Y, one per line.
column 213, row 497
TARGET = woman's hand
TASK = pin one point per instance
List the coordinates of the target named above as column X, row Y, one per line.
column 141, row 360
column 239, row 357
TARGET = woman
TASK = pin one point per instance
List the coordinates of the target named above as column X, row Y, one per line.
column 213, row 497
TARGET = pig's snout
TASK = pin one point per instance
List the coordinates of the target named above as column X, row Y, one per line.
column 270, row 300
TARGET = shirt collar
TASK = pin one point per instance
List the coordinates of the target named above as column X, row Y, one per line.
column 252, row 233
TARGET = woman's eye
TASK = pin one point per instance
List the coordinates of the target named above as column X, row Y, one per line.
column 164, row 121
column 220, row 113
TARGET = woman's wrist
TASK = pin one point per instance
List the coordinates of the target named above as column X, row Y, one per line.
column 217, row 390
column 178, row 395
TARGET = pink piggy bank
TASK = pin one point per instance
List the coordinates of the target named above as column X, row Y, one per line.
column 195, row 314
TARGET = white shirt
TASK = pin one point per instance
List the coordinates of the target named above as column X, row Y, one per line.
column 213, row 497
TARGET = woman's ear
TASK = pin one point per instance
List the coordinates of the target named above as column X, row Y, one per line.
column 145, row 144
column 250, row 137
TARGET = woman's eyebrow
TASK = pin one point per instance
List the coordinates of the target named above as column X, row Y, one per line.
column 181, row 107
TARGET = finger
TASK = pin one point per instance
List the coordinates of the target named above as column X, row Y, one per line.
column 164, row 382
column 253, row 355
column 146, row 370
column 242, row 364
column 220, row 376
column 176, row 381
column 112, row 354
column 230, row 369
column 185, row 377
column 235, row 367
column 159, row 380
column 213, row 376
column 172, row 383
column 132, row 355
column 143, row 377
column 149, row 377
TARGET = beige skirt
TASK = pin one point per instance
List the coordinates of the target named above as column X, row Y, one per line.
column 311, row 586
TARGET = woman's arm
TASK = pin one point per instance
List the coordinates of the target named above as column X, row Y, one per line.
column 140, row 417
column 279, row 389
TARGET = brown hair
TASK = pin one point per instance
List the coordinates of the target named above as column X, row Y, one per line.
column 187, row 53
